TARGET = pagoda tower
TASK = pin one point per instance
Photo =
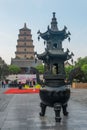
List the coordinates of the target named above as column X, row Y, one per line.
column 25, row 47
column 24, row 55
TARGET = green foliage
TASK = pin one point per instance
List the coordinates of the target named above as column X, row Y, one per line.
column 13, row 69
column 81, row 61
column 84, row 69
column 3, row 71
column 68, row 70
column 81, row 73
column 40, row 68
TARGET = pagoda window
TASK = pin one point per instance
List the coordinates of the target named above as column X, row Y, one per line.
column 25, row 49
column 49, row 42
column 24, row 38
column 55, row 68
column 31, row 57
column 55, row 45
column 25, row 44
column 24, row 33
column 54, row 26
column 25, row 56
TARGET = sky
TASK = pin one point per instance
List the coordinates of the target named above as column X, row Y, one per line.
column 38, row 14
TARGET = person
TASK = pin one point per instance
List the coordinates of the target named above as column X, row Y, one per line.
column 34, row 83
column 3, row 84
column 20, row 85
column 31, row 84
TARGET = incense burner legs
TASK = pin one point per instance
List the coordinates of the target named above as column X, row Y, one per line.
column 43, row 109
column 57, row 110
column 64, row 107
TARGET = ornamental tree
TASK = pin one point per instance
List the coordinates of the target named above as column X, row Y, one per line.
column 13, row 69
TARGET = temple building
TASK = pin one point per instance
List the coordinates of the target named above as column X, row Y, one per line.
column 24, row 55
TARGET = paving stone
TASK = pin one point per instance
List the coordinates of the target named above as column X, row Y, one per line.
column 21, row 112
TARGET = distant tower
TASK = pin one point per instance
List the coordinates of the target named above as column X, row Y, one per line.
column 24, row 55
column 25, row 48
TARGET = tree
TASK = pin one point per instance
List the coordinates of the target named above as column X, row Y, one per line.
column 13, row 69
column 40, row 68
column 76, row 74
column 81, row 61
column 3, row 71
column 68, row 70
column 84, row 69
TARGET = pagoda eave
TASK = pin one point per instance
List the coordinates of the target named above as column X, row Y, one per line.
column 59, row 32
column 49, row 33
column 24, row 29
column 46, row 56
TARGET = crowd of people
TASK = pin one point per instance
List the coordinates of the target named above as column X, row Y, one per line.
column 4, row 83
column 15, row 83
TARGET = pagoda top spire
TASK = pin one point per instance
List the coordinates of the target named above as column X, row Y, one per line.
column 25, row 26
column 54, row 23
column 54, row 14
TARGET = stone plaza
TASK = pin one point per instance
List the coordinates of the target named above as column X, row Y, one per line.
column 21, row 112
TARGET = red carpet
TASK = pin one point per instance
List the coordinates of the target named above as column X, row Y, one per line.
column 21, row 91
